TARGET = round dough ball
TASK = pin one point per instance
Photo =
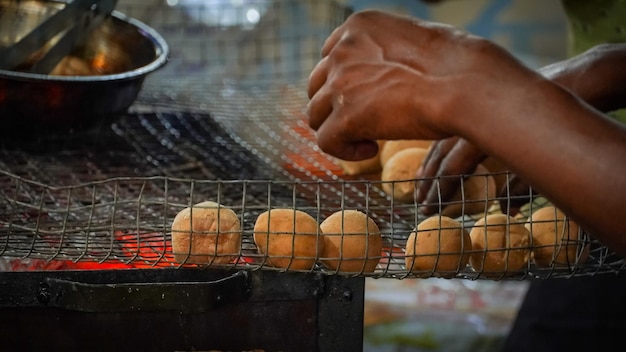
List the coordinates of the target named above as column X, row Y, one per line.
column 500, row 245
column 439, row 245
column 289, row 238
column 402, row 166
column 557, row 240
column 392, row 147
column 207, row 233
column 360, row 167
column 478, row 193
column 353, row 238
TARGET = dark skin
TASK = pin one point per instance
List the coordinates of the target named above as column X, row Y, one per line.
column 595, row 76
column 438, row 82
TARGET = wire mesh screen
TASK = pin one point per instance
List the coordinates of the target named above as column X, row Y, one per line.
column 224, row 122
column 220, row 46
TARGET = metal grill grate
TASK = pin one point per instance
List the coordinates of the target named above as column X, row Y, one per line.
column 223, row 121
column 110, row 197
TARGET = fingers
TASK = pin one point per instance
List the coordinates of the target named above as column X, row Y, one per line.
column 319, row 109
column 331, row 141
column 448, row 159
column 318, row 77
column 430, row 166
column 320, row 104
column 343, row 32
column 440, row 192
column 332, row 40
column 327, row 107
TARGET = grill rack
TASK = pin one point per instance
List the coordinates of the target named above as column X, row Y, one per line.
column 225, row 125
column 113, row 204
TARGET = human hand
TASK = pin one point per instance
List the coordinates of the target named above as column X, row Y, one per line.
column 456, row 156
column 386, row 76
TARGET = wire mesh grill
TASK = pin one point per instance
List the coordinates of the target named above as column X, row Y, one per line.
column 223, row 121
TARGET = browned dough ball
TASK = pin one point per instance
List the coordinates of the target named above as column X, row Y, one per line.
column 439, row 245
column 353, row 238
column 72, row 66
column 476, row 196
column 207, row 233
column 500, row 245
column 390, row 148
column 289, row 238
column 402, row 166
column 557, row 240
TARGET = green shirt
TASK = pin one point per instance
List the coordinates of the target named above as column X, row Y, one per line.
column 593, row 22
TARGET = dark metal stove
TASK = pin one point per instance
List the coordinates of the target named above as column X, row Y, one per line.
column 180, row 310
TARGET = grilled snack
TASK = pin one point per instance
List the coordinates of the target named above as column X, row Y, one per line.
column 354, row 239
column 402, row 166
column 72, row 66
column 206, row 233
column 438, row 245
column 475, row 197
column 390, row 148
column 557, row 240
column 500, row 245
column 289, row 238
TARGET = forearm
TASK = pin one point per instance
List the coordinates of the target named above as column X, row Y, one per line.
column 597, row 76
column 566, row 150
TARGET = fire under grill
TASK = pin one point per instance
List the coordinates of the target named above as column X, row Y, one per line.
column 86, row 216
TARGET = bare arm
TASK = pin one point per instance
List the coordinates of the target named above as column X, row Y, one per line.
column 568, row 151
column 596, row 76
column 389, row 77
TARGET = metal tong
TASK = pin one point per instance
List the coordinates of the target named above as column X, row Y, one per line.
column 73, row 22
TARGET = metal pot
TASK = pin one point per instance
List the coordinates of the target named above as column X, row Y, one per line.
column 100, row 80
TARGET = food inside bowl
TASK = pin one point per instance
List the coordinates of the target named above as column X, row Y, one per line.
column 74, row 66
column 37, row 35
column 70, row 65
column 97, row 81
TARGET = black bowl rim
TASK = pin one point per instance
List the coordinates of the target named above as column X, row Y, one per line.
column 159, row 43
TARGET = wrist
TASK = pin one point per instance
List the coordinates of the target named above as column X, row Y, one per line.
column 515, row 116
column 498, row 102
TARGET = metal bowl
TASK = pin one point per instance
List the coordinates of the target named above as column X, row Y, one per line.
column 99, row 80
